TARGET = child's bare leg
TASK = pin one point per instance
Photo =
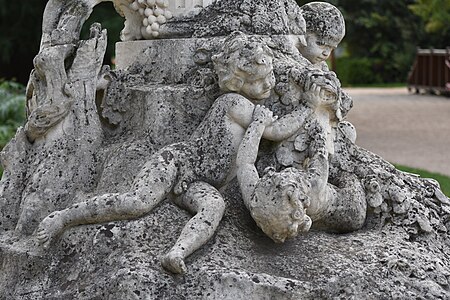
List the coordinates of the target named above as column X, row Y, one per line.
column 151, row 185
column 348, row 206
column 204, row 200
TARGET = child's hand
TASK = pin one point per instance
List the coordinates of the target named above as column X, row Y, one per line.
column 313, row 94
column 316, row 95
column 263, row 115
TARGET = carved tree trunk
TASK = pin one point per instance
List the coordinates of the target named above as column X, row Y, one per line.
column 61, row 138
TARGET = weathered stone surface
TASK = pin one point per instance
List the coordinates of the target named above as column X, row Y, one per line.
column 120, row 261
column 47, row 145
column 91, row 131
column 166, row 60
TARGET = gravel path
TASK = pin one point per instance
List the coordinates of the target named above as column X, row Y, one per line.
column 408, row 129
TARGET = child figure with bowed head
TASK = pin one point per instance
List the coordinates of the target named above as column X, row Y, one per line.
column 192, row 170
column 325, row 29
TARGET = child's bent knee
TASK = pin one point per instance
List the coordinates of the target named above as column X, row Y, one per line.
column 213, row 204
column 218, row 205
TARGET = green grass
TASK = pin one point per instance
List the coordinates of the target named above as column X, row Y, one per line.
column 443, row 180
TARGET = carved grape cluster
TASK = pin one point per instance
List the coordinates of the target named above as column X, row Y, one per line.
column 154, row 13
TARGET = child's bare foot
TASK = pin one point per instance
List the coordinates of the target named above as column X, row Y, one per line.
column 49, row 228
column 174, row 263
column 305, row 225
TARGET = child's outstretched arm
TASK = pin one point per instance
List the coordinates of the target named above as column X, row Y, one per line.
column 287, row 125
column 241, row 113
column 248, row 150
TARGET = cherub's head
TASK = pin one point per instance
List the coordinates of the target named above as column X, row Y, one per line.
column 325, row 28
column 244, row 65
column 300, row 80
column 279, row 203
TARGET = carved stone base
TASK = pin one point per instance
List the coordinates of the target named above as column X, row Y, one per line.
column 120, row 260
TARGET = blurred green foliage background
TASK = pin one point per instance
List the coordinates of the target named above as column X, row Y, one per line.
column 12, row 110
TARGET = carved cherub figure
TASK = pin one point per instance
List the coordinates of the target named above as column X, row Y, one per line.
column 325, row 29
column 256, row 80
column 301, row 92
column 276, row 201
column 288, row 202
column 191, row 170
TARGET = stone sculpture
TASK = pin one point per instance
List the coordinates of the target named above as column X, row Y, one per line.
column 212, row 90
column 307, row 194
column 195, row 168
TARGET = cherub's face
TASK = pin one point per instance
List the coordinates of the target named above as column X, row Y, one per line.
column 329, row 87
column 258, row 87
column 293, row 213
column 259, row 84
column 282, row 214
column 252, row 77
column 316, row 50
column 289, row 219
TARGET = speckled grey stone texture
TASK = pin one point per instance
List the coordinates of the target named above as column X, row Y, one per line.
column 119, row 118
column 325, row 21
column 120, row 261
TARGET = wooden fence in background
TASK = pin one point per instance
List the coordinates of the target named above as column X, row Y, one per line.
column 430, row 72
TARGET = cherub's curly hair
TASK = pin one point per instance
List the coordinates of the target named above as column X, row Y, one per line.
column 272, row 211
column 324, row 20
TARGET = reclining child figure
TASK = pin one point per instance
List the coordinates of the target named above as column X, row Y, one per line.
column 193, row 170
